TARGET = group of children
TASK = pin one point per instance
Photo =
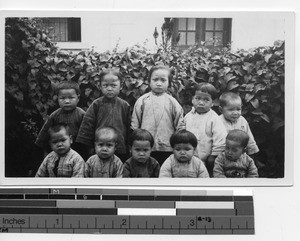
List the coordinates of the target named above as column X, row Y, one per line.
column 156, row 140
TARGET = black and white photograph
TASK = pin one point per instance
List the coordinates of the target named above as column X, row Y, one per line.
column 145, row 94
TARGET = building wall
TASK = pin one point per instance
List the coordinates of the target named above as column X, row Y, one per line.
column 104, row 30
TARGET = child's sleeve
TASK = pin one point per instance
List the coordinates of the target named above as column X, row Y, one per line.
column 136, row 119
column 118, row 172
column 203, row 173
column 87, row 169
column 43, row 171
column 252, row 148
column 219, row 134
column 156, row 169
column 86, row 131
column 219, row 168
column 126, row 170
column 252, row 169
column 166, row 169
column 179, row 122
column 78, row 167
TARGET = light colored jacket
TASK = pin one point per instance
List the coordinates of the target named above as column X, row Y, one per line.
column 161, row 123
column 209, row 131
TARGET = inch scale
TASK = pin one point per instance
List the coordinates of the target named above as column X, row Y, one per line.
column 126, row 211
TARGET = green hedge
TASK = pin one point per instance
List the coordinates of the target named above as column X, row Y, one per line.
column 33, row 65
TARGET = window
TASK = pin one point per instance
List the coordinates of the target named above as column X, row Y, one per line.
column 213, row 32
column 63, row 29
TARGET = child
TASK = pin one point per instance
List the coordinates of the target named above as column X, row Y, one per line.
column 231, row 107
column 206, row 125
column 141, row 164
column 108, row 110
column 158, row 112
column 62, row 161
column 104, row 163
column 68, row 94
column 234, row 162
column 183, row 163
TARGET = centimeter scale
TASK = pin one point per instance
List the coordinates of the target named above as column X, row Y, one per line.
column 126, row 211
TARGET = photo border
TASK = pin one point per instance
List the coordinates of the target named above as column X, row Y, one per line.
column 287, row 180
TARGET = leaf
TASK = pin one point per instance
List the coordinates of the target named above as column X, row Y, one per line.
column 265, row 118
column 232, row 85
column 255, row 103
column 229, row 77
column 248, row 97
column 267, row 57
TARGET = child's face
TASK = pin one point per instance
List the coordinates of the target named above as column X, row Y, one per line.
column 202, row 102
column 60, row 142
column 159, row 81
column 105, row 145
column 232, row 110
column 183, row 152
column 141, row 151
column 68, row 99
column 110, row 86
column 233, row 150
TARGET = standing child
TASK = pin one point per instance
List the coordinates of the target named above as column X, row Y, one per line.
column 234, row 162
column 62, row 161
column 206, row 125
column 141, row 164
column 158, row 112
column 231, row 108
column 68, row 94
column 108, row 110
column 104, row 163
column 183, row 163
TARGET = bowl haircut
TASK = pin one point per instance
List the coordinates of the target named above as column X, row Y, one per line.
column 226, row 97
column 183, row 136
column 206, row 88
column 64, row 85
column 140, row 135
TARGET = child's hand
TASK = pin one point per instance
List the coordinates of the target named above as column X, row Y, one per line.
column 210, row 164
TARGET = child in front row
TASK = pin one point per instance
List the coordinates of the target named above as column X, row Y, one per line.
column 141, row 164
column 231, row 109
column 206, row 125
column 104, row 163
column 158, row 112
column 108, row 110
column 62, row 161
column 234, row 162
column 183, row 163
column 68, row 94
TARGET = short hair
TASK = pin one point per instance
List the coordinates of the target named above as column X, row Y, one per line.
column 183, row 136
column 112, row 71
column 106, row 129
column 63, row 85
column 157, row 67
column 239, row 136
column 228, row 96
column 58, row 127
column 206, row 88
column 141, row 135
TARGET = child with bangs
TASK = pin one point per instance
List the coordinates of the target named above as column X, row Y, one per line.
column 141, row 164
column 206, row 125
column 183, row 162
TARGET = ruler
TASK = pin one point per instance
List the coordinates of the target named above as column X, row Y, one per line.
column 126, row 211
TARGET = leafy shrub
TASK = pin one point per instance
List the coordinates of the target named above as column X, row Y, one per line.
column 34, row 65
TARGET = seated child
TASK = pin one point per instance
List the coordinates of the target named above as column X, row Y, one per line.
column 108, row 110
column 104, row 163
column 183, row 163
column 231, row 108
column 141, row 164
column 206, row 125
column 68, row 94
column 158, row 112
column 234, row 162
column 62, row 161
